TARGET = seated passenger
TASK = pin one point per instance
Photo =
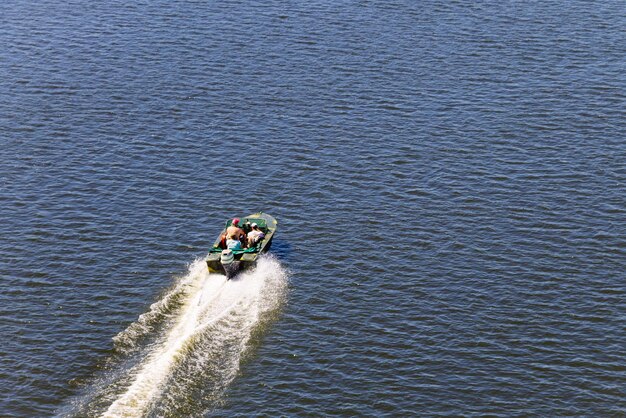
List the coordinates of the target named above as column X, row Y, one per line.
column 233, row 232
column 233, row 244
column 255, row 235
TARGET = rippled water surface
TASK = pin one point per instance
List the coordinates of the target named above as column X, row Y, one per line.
column 449, row 180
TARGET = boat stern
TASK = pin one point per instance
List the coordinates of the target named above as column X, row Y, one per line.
column 223, row 263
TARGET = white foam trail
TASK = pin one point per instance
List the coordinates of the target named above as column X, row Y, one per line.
column 127, row 339
column 209, row 300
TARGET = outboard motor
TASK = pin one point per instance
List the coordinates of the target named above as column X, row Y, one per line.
column 228, row 262
column 227, row 257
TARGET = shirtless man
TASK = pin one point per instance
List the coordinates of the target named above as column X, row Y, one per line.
column 233, row 232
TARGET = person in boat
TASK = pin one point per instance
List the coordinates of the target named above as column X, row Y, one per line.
column 255, row 235
column 234, row 235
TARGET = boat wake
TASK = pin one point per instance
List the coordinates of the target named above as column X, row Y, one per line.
column 179, row 357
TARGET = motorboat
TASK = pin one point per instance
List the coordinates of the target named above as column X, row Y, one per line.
column 230, row 262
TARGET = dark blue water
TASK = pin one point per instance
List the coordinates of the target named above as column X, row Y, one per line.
column 449, row 180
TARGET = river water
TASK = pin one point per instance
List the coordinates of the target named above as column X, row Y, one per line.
column 449, row 180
